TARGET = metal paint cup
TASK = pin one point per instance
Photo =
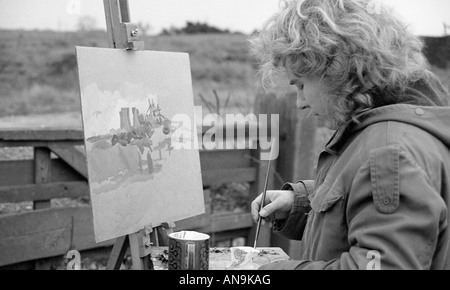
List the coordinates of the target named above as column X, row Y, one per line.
column 188, row 250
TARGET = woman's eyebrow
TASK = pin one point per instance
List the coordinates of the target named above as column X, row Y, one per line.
column 292, row 82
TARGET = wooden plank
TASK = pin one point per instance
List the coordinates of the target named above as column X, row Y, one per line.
column 193, row 222
column 39, row 245
column 228, row 235
column 118, row 253
column 140, row 256
column 216, row 222
column 35, row 192
column 46, row 233
column 124, row 11
column 109, row 23
column 61, row 172
column 219, row 176
column 21, row 172
column 42, row 173
column 34, row 235
column 36, row 143
column 221, row 159
column 60, row 121
column 76, row 134
column 27, row 236
column 72, row 156
column 60, row 134
column 16, row 172
column 138, row 263
column 113, row 19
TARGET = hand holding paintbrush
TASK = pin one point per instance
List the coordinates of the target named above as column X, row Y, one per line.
column 263, row 198
column 271, row 202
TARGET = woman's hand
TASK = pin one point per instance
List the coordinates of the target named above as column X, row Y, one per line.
column 278, row 205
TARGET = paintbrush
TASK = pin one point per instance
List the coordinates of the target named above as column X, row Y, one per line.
column 258, row 227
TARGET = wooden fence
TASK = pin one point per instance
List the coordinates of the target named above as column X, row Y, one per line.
column 59, row 170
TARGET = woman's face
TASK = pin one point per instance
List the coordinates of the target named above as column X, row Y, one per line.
column 311, row 93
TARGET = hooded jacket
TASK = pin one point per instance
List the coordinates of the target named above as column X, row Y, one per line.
column 381, row 196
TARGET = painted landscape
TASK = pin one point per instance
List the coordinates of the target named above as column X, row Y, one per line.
column 128, row 102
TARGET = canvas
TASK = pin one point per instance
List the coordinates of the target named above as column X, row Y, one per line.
column 137, row 176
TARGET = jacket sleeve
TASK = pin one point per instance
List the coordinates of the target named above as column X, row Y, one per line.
column 293, row 227
column 394, row 216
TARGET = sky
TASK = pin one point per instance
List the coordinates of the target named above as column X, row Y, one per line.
column 426, row 17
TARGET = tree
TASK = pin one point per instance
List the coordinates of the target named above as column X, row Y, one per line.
column 194, row 28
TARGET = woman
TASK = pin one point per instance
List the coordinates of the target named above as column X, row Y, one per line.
column 382, row 186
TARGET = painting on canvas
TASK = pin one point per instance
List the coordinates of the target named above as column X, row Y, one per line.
column 136, row 175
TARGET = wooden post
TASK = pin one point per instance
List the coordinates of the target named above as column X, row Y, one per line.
column 121, row 33
column 42, row 167
column 42, row 174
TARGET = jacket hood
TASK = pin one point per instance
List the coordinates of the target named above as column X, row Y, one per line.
column 426, row 108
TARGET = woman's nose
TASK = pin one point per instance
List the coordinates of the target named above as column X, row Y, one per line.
column 301, row 101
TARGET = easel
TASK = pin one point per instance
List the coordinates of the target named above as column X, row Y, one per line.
column 124, row 35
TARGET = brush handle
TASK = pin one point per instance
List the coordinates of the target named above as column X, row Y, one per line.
column 258, row 227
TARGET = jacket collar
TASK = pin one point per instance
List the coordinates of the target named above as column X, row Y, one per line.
column 349, row 131
column 427, row 93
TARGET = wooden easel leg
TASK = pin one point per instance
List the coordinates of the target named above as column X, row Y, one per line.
column 118, row 253
column 163, row 233
column 135, row 255
column 140, row 247
column 141, row 259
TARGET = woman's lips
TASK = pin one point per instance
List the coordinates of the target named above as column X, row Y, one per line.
column 304, row 107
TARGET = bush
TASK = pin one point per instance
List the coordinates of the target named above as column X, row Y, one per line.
column 193, row 28
column 66, row 63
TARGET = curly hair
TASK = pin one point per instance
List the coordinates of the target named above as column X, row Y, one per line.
column 367, row 58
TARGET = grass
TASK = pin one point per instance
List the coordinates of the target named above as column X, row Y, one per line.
column 38, row 68
column 39, row 99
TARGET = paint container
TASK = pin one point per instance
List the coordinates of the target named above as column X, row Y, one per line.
column 188, row 250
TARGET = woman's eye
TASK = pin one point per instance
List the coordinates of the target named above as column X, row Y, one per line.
column 301, row 87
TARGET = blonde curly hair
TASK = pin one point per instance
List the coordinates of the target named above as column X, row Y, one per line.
column 367, row 57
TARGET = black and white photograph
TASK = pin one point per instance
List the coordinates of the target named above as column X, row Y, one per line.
column 225, row 139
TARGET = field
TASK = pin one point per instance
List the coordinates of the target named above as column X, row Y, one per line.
column 38, row 69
